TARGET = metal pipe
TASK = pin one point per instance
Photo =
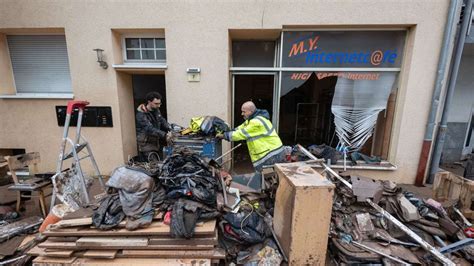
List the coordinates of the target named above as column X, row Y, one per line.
column 443, row 65
column 326, row 168
column 441, row 136
column 227, row 152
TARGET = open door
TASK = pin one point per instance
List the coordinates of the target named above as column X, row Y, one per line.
column 258, row 88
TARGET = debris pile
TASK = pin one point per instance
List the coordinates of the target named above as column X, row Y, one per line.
column 176, row 211
column 188, row 208
column 361, row 234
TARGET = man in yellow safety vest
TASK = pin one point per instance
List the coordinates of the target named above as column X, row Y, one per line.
column 264, row 145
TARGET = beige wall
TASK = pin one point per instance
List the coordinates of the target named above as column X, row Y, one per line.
column 197, row 35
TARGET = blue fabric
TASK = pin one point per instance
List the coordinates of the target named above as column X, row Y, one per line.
column 260, row 112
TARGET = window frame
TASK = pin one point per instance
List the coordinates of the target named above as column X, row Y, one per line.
column 34, row 95
column 143, row 61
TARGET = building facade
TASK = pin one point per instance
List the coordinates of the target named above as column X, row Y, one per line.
column 292, row 57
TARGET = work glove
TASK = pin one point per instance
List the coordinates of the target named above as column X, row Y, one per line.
column 169, row 138
column 219, row 136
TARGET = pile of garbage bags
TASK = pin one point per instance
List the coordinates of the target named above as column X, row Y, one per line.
column 188, row 191
column 185, row 188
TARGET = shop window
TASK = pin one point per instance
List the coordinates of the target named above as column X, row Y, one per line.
column 332, row 87
column 144, row 50
column 350, row 102
column 334, row 108
column 253, row 53
column 40, row 64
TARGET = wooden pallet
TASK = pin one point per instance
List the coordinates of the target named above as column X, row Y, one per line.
column 450, row 187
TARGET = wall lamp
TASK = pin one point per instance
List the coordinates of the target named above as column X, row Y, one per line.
column 100, row 60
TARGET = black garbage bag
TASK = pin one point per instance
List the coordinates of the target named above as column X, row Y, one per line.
column 213, row 125
column 109, row 214
column 185, row 174
column 245, row 227
column 326, row 152
column 185, row 215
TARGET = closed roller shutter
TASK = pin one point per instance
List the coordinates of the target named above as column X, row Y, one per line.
column 40, row 63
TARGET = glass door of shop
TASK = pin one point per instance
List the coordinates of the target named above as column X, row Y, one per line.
column 256, row 87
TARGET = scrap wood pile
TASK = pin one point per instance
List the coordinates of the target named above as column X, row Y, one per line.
column 361, row 234
column 81, row 244
column 175, row 212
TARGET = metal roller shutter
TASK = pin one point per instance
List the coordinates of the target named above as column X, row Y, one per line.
column 40, row 63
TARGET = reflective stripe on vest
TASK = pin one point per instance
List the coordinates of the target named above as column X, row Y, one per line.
column 269, row 130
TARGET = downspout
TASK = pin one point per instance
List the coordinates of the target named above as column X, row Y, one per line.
column 443, row 65
column 441, row 136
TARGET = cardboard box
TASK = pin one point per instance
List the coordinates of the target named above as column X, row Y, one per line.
column 302, row 216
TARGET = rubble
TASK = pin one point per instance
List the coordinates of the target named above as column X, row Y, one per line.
column 179, row 212
column 366, row 232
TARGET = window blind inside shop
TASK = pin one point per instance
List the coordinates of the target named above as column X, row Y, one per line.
column 40, row 63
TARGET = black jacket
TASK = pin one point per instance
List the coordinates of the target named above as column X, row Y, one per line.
column 151, row 127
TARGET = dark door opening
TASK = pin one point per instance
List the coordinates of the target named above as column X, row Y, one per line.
column 143, row 84
column 256, row 88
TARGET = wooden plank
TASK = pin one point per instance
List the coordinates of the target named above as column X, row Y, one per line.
column 112, row 242
column 36, row 251
column 72, row 223
column 27, row 240
column 155, row 229
column 192, row 241
column 143, row 261
column 58, row 245
column 56, row 253
column 196, row 240
column 61, row 253
column 205, row 254
column 63, row 238
column 9, row 246
column 43, row 261
column 118, row 245
column 100, row 254
column 149, row 247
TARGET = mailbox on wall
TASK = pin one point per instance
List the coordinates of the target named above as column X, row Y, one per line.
column 94, row 116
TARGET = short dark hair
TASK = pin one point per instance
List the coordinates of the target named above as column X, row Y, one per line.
column 152, row 95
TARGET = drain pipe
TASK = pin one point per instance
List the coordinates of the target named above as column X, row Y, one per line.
column 443, row 65
column 441, row 136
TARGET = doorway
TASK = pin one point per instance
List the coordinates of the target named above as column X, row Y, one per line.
column 143, row 84
column 258, row 88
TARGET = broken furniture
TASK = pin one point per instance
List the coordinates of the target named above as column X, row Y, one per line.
column 77, row 146
column 27, row 184
column 401, row 226
column 302, row 213
column 450, row 187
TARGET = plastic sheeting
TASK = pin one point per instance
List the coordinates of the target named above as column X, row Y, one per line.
column 136, row 195
column 356, row 105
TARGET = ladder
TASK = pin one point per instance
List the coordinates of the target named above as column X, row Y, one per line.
column 79, row 145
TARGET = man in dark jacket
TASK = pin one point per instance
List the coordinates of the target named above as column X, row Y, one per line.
column 151, row 126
